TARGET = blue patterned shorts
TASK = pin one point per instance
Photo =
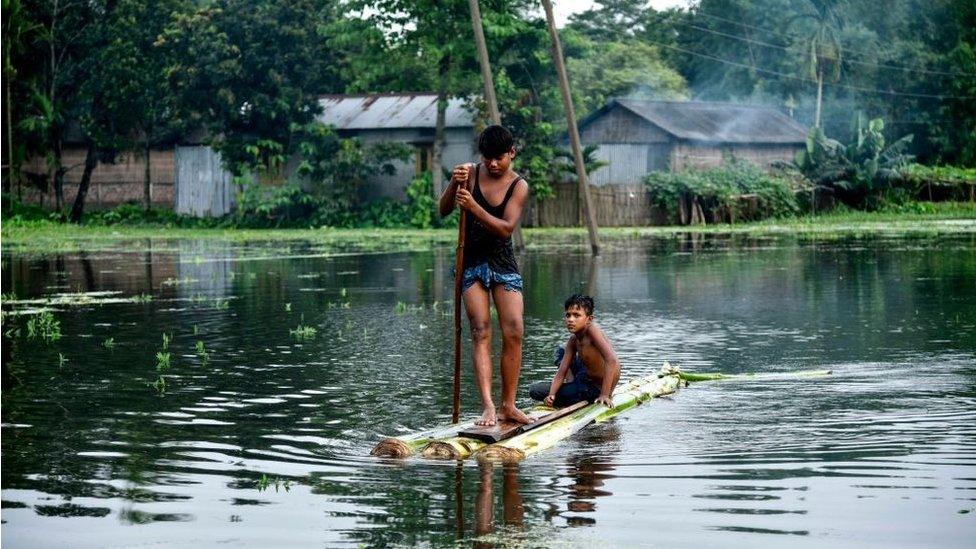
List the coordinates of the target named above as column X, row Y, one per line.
column 488, row 278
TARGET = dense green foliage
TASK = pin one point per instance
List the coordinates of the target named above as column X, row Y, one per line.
column 736, row 191
column 859, row 172
column 127, row 75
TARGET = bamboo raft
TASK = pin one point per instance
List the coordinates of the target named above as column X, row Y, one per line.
column 445, row 442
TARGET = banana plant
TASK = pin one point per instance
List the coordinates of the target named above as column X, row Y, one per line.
column 867, row 164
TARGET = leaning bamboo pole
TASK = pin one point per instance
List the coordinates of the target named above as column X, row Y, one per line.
column 715, row 376
column 632, row 394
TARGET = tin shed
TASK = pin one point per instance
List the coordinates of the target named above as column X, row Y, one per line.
column 408, row 118
column 638, row 136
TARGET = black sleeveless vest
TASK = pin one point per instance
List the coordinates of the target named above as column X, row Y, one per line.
column 482, row 246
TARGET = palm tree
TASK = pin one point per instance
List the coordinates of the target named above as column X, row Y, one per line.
column 822, row 49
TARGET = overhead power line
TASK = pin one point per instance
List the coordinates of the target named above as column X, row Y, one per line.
column 854, row 61
column 810, row 80
column 900, row 66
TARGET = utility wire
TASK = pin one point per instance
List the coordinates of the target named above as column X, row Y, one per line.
column 801, row 79
column 901, row 66
column 854, row 61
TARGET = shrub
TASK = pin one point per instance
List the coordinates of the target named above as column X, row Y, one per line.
column 939, row 182
column 738, row 190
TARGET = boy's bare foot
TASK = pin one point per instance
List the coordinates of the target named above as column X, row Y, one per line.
column 511, row 413
column 488, row 418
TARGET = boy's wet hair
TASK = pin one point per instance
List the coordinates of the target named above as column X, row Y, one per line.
column 584, row 302
column 495, row 141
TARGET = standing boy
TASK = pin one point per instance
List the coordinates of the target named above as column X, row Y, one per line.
column 494, row 205
column 588, row 366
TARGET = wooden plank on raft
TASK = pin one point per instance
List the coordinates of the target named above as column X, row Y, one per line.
column 508, row 429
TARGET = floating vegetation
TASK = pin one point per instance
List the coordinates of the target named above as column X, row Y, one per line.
column 221, row 304
column 44, row 326
column 402, row 308
column 287, row 307
column 109, row 343
column 162, row 361
column 202, row 352
column 196, row 330
column 159, row 385
column 8, row 297
column 303, row 331
column 266, row 482
column 342, row 292
column 71, row 299
column 61, row 360
column 166, row 339
column 142, row 298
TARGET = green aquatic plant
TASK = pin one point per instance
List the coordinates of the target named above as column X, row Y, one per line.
column 44, row 326
column 342, row 292
column 142, row 298
column 166, row 340
column 287, row 307
column 159, row 385
column 162, row 361
column 265, row 482
column 196, row 329
column 61, row 360
column 303, row 332
column 109, row 343
column 221, row 304
column 202, row 352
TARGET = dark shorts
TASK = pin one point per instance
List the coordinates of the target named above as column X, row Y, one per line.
column 579, row 390
column 488, row 278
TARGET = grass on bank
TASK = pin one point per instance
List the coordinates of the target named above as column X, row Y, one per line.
column 53, row 236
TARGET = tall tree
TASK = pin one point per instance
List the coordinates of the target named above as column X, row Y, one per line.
column 57, row 53
column 250, row 73
column 823, row 54
column 135, row 65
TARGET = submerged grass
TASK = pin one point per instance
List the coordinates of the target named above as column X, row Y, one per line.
column 39, row 237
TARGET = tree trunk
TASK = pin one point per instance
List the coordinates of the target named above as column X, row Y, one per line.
column 91, row 160
column 10, row 141
column 820, row 78
column 574, row 139
column 58, row 177
column 147, row 182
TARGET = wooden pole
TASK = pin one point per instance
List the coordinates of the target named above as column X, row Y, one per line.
column 489, row 83
column 458, row 276
column 574, row 139
column 479, row 40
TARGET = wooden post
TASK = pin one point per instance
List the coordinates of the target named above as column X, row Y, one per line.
column 458, row 276
column 574, row 139
column 489, row 83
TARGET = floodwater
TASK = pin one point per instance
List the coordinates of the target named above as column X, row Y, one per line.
column 260, row 436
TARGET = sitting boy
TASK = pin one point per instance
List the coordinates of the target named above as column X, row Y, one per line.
column 588, row 366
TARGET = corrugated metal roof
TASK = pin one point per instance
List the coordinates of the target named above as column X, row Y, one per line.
column 714, row 122
column 388, row 111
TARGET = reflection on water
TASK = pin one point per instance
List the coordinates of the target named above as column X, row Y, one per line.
column 261, row 437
